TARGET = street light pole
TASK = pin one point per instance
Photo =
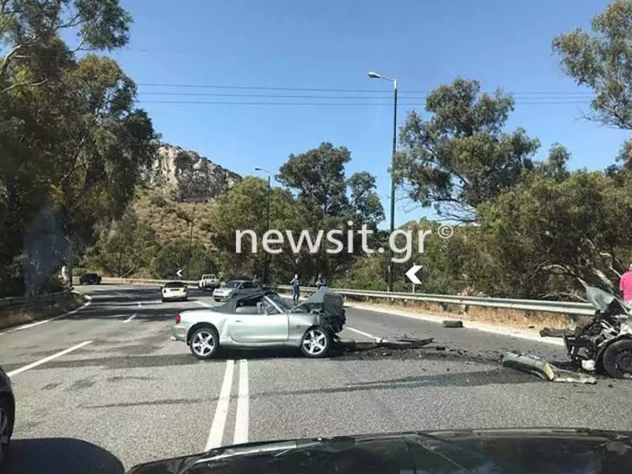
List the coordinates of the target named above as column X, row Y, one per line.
column 190, row 240
column 374, row 75
column 266, row 256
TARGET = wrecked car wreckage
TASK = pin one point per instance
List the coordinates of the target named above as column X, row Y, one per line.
column 604, row 343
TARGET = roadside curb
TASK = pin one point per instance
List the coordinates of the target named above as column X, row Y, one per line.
column 489, row 328
column 37, row 323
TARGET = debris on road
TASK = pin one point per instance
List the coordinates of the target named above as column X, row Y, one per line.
column 552, row 332
column 403, row 343
column 457, row 323
column 538, row 366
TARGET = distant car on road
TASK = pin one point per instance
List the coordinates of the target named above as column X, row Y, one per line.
column 7, row 414
column 90, row 279
column 263, row 319
column 175, row 291
column 235, row 286
column 208, row 282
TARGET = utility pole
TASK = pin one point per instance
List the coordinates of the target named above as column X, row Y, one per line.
column 374, row 75
column 190, row 240
column 266, row 264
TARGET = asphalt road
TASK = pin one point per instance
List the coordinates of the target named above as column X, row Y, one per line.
column 104, row 388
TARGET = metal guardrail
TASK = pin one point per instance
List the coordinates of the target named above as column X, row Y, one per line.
column 546, row 306
column 33, row 300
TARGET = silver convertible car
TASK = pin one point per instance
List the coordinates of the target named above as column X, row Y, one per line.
column 263, row 319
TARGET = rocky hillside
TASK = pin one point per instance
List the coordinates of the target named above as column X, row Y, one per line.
column 181, row 189
column 185, row 176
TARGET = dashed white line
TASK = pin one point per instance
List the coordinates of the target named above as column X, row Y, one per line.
column 130, row 318
column 216, row 434
column 47, row 359
column 140, row 305
column 206, row 305
column 241, row 421
column 365, row 334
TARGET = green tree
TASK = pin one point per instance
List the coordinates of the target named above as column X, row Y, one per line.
column 327, row 201
column 460, row 156
column 70, row 139
column 125, row 247
column 243, row 208
column 545, row 233
column 175, row 256
column 602, row 61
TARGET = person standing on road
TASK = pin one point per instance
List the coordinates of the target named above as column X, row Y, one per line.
column 296, row 289
column 625, row 285
column 320, row 282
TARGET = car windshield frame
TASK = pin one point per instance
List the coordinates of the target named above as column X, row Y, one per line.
column 283, row 304
column 175, row 284
column 234, row 284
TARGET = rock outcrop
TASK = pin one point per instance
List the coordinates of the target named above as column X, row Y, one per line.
column 184, row 175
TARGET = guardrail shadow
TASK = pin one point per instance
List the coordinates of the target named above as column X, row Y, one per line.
column 60, row 456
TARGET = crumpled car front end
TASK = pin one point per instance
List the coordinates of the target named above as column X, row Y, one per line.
column 329, row 306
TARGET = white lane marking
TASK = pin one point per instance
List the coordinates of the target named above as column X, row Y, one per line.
column 206, row 305
column 216, row 435
column 130, row 318
column 241, row 421
column 140, row 305
column 32, row 325
column 47, row 359
column 502, row 331
column 365, row 334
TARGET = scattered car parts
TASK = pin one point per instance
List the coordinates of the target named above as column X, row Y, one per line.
column 535, row 365
column 453, row 323
column 604, row 343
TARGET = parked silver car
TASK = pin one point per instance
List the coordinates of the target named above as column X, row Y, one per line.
column 225, row 292
column 263, row 319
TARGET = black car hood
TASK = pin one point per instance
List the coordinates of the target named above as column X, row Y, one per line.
column 519, row 451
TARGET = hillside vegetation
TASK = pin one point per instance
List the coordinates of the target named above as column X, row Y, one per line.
column 171, row 220
column 78, row 183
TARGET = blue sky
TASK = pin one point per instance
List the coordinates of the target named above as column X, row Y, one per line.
column 331, row 45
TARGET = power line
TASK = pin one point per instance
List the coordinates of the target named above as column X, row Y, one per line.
column 293, row 96
column 417, row 104
column 364, row 91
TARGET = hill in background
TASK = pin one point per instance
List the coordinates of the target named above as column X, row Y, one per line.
column 181, row 188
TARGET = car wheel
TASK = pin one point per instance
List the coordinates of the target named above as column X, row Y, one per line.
column 7, row 419
column 204, row 342
column 617, row 359
column 315, row 342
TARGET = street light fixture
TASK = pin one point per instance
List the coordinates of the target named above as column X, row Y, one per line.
column 375, row 75
column 266, row 257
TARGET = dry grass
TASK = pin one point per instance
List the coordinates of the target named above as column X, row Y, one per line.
column 170, row 219
column 497, row 316
column 10, row 317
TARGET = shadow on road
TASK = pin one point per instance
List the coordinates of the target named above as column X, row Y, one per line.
column 60, row 456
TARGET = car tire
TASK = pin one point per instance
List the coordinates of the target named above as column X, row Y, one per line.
column 617, row 359
column 315, row 342
column 7, row 420
column 203, row 333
